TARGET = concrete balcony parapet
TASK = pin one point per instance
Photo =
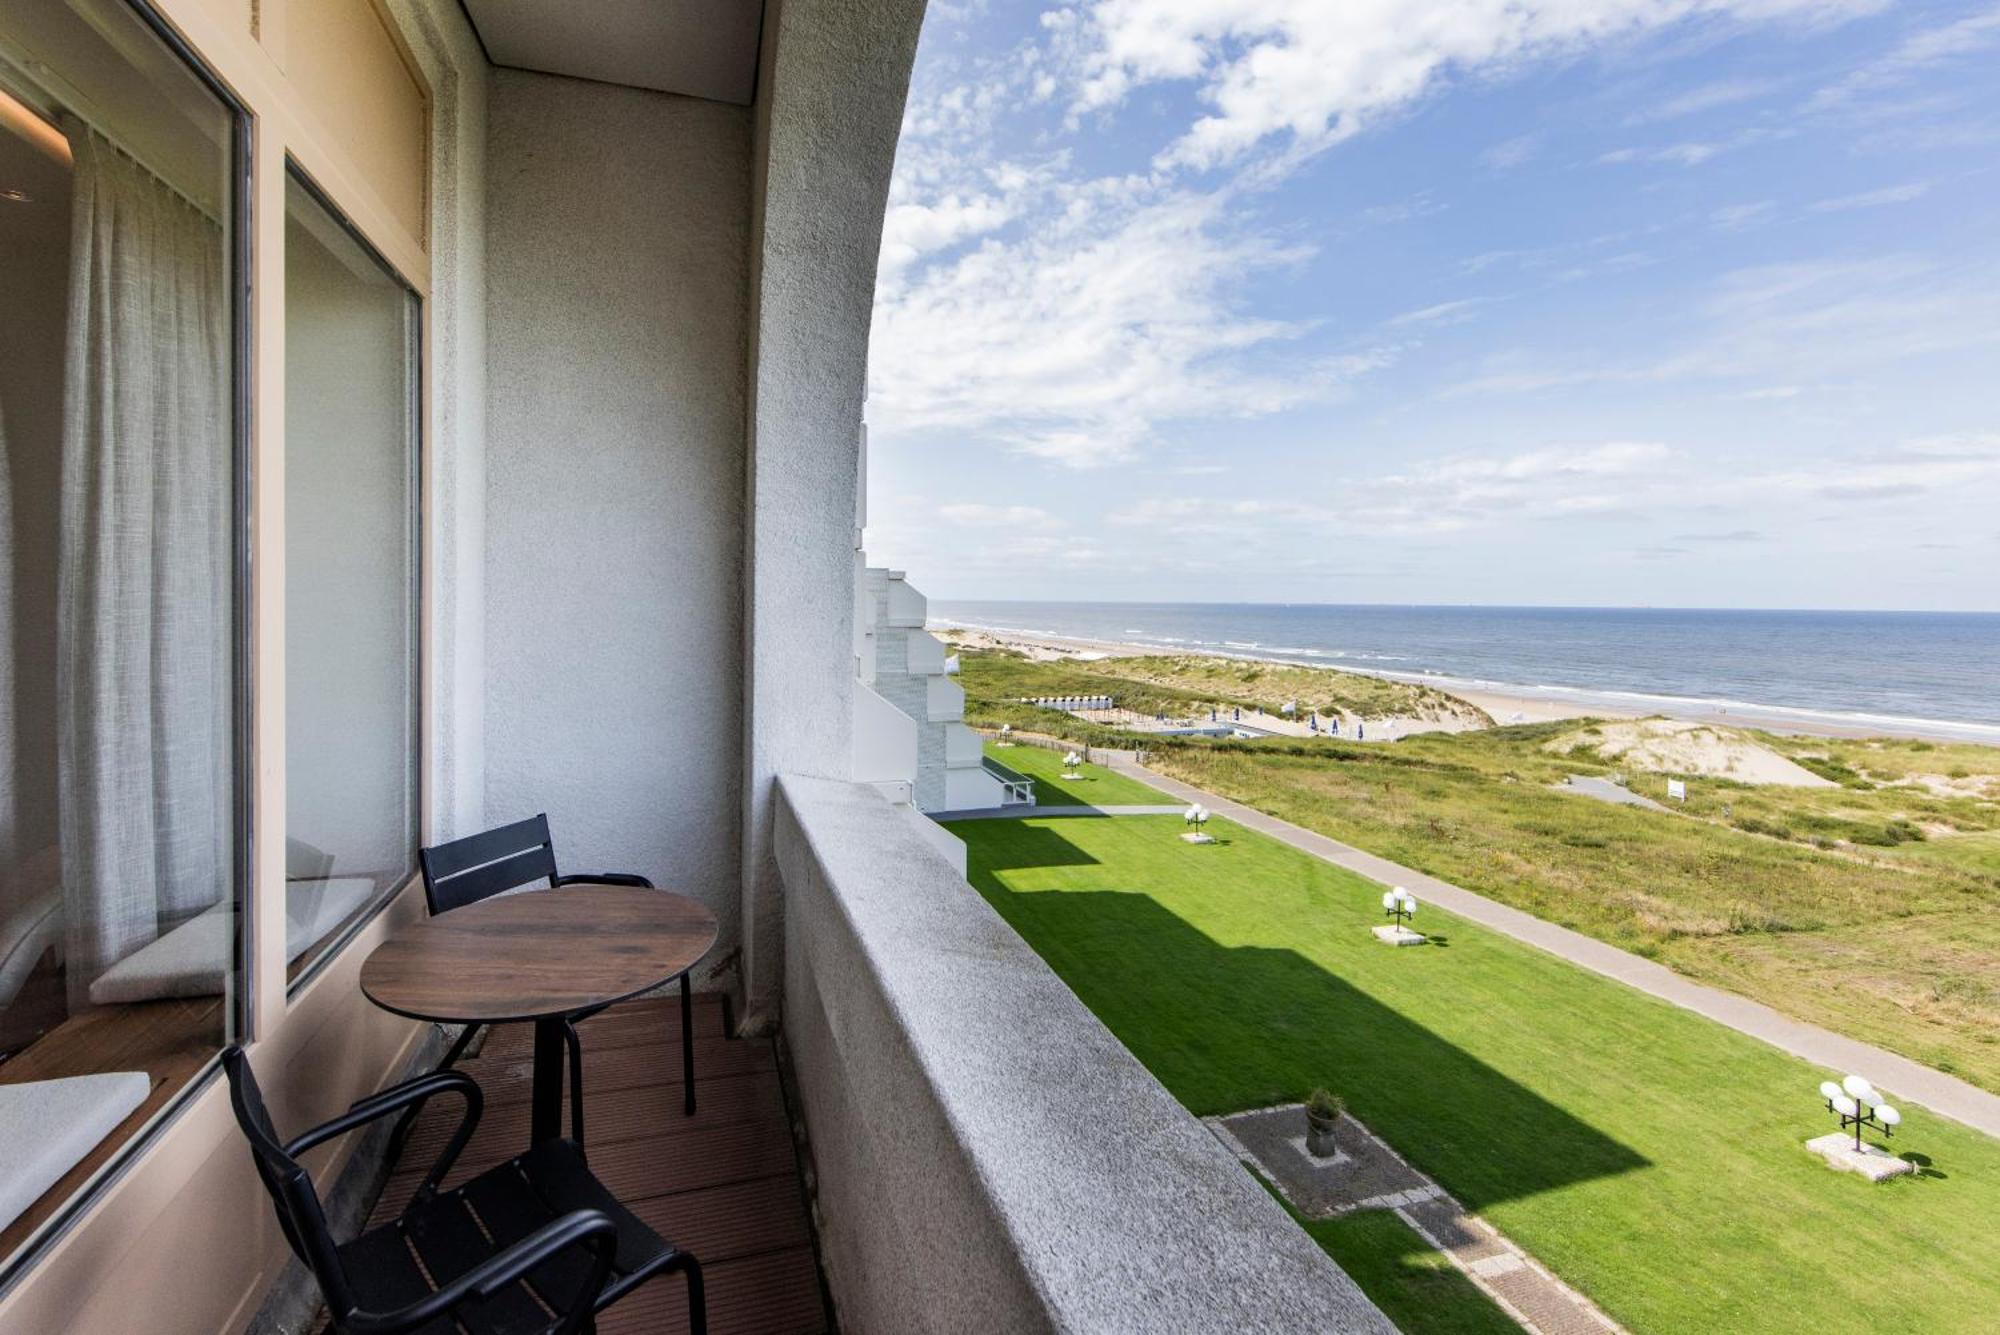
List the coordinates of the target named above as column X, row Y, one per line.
column 987, row 1155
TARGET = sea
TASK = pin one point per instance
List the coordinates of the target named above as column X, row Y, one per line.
column 1927, row 674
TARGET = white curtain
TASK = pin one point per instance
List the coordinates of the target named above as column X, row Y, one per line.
column 143, row 595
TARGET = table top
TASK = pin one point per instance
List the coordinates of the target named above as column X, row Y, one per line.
column 538, row 954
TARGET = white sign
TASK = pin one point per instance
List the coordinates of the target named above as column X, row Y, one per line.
column 1677, row 790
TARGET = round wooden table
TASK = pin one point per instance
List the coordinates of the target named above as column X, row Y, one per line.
column 544, row 956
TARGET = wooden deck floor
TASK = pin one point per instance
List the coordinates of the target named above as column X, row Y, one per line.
column 722, row 1184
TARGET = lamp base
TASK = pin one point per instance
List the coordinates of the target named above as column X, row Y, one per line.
column 1872, row 1162
column 1197, row 839
column 1398, row 935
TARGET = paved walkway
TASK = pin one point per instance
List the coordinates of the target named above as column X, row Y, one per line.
column 1606, row 791
column 1024, row 811
column 1941, row 1093
column 1365, row 1174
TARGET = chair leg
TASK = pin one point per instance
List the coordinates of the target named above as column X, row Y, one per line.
column 697, row 1295
column 408, row 1119
column 575, row 1045
column 687, row 1041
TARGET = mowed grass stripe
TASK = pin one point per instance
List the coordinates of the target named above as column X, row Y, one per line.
column 1649, row 1157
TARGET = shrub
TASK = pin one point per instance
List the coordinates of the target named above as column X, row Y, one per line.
column 1324, row 1104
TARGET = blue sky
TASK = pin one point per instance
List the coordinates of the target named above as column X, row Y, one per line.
column 1601, row 302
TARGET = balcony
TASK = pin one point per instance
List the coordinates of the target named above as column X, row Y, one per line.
column 945, row 699
column 622, row 363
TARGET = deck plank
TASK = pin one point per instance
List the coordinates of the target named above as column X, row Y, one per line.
column 722, row 1184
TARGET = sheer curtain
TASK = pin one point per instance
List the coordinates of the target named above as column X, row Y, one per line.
column 143, row 592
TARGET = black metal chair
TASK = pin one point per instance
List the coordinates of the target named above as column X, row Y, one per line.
column 534, row 1246
column 495, row 861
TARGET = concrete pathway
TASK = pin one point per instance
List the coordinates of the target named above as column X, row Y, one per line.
column 1024, row 812
column 1945, row 1095
column 1365, row 1174
column 1606, row 791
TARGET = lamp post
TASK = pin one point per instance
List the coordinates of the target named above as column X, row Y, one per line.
column 1401, row 905
column 1858, row 1104
column 1070, row 762
column 1194, row 818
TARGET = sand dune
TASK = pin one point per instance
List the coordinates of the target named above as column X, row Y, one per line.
column 1673, row 746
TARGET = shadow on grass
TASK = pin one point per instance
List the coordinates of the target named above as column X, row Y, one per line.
column 1227, row 1028
column 1032, row 845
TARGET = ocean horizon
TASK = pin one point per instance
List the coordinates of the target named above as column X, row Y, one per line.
column 1933, row 672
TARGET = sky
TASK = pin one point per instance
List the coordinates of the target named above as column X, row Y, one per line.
column 1554, row 302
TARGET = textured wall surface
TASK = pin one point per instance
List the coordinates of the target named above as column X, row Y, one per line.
column 833, row 78
column 616, row 246
column 454, row 442
column 988, row 1156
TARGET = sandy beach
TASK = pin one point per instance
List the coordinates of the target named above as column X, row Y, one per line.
column 1540, row 705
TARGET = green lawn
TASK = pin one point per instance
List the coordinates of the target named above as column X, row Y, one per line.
column 1098, row 786
column 1416, row 1286
column 1648, row 1156
column 1898, row 946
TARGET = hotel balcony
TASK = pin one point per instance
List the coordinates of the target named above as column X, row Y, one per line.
column 597, row 282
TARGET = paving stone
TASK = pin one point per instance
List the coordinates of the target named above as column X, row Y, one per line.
column 1552, row 1310
column 1361, row 1171
column 1444, row 1220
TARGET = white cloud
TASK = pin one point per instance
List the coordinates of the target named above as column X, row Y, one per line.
column 1922, row 50
column 1440, row 495
column 1511, row 153
column 1445, row 312
column 1791, row 323
column 911, row 231
column 1916, row 467
column 1870, row 199
column 1309, row 73
column 1073, row 340
column 1735, row 217
column 976, row 514
column 1709, row 96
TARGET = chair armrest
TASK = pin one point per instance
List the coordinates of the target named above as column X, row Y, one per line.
column 603, row 878
column 589, row 1228
column 410, row 1092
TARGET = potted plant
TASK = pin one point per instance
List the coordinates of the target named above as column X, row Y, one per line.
column 1323, row 1109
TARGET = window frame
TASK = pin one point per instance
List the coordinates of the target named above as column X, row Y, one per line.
column 295, row 171
column 240, row 987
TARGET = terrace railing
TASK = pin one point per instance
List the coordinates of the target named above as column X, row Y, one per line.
column 985, row 1153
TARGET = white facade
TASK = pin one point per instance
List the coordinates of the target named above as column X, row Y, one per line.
column 908, row 667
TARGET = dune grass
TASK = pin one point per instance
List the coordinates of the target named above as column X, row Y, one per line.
column 1898, row 946
column 1648, row 1156
column 1096, row 786
column 1871, row 907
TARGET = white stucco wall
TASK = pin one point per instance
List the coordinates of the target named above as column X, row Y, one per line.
column 454, row 446
column 832, row 81
column 614, row 501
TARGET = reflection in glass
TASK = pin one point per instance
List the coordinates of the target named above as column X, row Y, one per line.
column 119, row 629
column 350, row 576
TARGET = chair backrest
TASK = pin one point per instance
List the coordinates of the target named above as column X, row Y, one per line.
column 291, row 1187
column 480, row 866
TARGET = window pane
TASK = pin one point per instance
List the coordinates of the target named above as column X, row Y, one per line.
column 350, row 577
column 119, row 626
